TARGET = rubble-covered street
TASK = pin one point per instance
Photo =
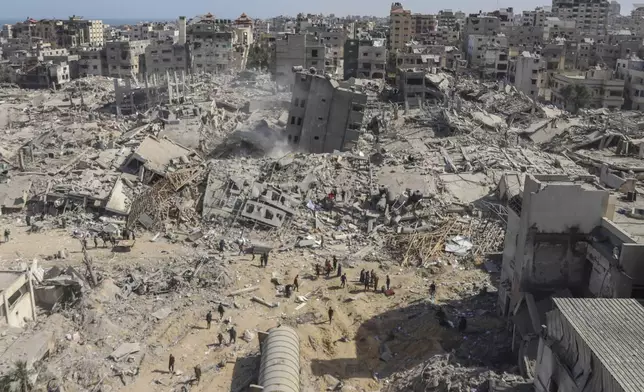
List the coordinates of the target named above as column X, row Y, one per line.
column 131, row 227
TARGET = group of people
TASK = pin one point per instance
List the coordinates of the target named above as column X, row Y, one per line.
column 369, row 279
column 232, row 334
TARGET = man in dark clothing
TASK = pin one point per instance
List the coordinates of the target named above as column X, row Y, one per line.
column 83, row 240
column 343, row 280
column 317, row 270
column 95, row 241
column 296, row 283
column 171, row 364
column 388, row 282
column 366, row 282
column 462, row 324
column 287, row 290
column 198, row 373
column 432, row 290
column 233, row 335
column 335, row 263
column 222, row 244
column 375, row 283
column 220, row 309
column 339, row 270
column 362, row 276
column 220, row 337
column 330, row 315
column 328, row 270
column 209, row 318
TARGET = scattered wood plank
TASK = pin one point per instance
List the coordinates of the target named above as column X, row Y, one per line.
column 263, row 302
column 242, row 291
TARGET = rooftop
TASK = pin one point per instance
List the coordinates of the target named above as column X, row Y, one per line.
column 611, row 328
column 7, row 278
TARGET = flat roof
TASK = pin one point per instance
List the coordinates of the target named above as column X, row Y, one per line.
column 7, row 278
column 612, row 329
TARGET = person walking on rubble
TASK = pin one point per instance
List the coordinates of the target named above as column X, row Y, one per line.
column 233, row 335
column 330, row 315
column 222, row 245
column 388, row 282
column 375, row 283
column 339, row 270
column 95, row 238
column 198, row 373
column 84, row 241
column 317, row 270
column 209, row 318
column 171, row 364
column 362, row 276
column 296, row 283
column 432, row 290
column 335, row 263
column 462, row 324
column 328, row 270
column 220, row 309
column 220, row 337
column 343, row 280
column 366, row 282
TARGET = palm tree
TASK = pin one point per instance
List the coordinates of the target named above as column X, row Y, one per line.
column 17, row 380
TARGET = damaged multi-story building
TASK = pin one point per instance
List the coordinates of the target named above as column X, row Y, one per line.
column 125, row 59
column 566, row 237
column 323, row 116
column 297, row 50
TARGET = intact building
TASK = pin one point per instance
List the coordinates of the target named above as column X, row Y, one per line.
column 297, row 50
column 323, row 116
column 591, row 16
column 400, row 26
column 125, row 59
column 605, row 91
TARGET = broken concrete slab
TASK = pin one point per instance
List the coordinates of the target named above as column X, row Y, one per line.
column 162, row 313
column 124, row 350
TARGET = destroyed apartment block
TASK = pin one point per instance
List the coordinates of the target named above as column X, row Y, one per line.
column 567, row 237
column 14, row 194
column 323, row 116
column 155, row 157
column 17, row 294
column 257, row 202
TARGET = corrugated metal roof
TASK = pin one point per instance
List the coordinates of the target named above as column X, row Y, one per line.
column 613, row 329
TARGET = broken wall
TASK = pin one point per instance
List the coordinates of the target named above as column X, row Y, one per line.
column 558, row 208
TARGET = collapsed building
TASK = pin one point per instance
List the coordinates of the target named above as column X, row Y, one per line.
column 323, row 116
column 565, row 237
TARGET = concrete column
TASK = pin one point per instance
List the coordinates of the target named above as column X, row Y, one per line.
column 31, row 292
column 5, row 304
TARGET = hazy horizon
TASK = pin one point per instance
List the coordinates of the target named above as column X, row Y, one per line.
column 165, row 10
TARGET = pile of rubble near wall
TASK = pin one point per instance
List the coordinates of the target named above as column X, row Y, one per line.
column 443, row 373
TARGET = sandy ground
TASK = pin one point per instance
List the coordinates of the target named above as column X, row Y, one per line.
column 363, row 319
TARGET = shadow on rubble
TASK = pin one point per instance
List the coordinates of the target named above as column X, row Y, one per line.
column 245, row 372
column 403, row 338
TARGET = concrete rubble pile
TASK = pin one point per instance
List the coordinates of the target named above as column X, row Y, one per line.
column 444, row 373
column 206, row 164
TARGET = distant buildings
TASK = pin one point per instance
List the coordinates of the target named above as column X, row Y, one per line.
column 605, row 91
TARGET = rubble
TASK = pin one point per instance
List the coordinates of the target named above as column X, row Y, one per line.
column 423, row 189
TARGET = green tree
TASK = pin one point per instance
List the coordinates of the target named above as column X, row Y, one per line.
column 17, row 380
column 258, row 57
column 575, row 96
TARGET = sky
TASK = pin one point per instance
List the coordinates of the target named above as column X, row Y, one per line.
column 170, row 9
